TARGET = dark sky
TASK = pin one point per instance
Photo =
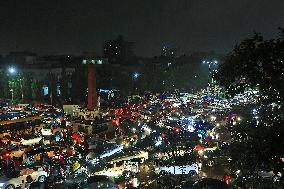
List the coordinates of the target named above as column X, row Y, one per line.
column 74, row 26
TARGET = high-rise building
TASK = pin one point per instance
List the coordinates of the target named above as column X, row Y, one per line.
column 169, row 51
column 118, row 51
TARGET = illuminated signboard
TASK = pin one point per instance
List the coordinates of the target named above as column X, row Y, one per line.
column 93, row 61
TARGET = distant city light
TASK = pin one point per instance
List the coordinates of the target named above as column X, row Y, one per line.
column 254, row 111
column 158, row 142
column 210, row 62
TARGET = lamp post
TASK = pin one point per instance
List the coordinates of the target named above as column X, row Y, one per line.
column 12, row 71
column 135, row 76
column 12, row 91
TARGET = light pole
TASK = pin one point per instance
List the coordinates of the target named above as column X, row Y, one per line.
column 12, row 71
column 135, row 76
column 12, row 91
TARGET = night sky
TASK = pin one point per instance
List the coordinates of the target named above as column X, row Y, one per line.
column 74, row 26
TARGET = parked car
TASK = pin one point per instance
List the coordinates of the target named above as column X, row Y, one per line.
column 36, row 173
column 30, row 141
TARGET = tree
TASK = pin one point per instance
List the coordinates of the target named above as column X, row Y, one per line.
column 255, row 62
column 36, row 90
column 17, row 86
column 16, row 89
column 258, row 141
column 27, row 86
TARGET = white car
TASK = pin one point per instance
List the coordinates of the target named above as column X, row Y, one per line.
column 37, row 174
column 30, row 142
column 46, row 132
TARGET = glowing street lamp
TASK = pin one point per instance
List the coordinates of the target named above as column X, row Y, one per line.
column 136, row 75
column 12, row 70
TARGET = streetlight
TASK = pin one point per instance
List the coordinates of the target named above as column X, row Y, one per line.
column 136, row 75
column 12, row 70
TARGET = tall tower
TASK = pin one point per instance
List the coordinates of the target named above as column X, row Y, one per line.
column 92, row 87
